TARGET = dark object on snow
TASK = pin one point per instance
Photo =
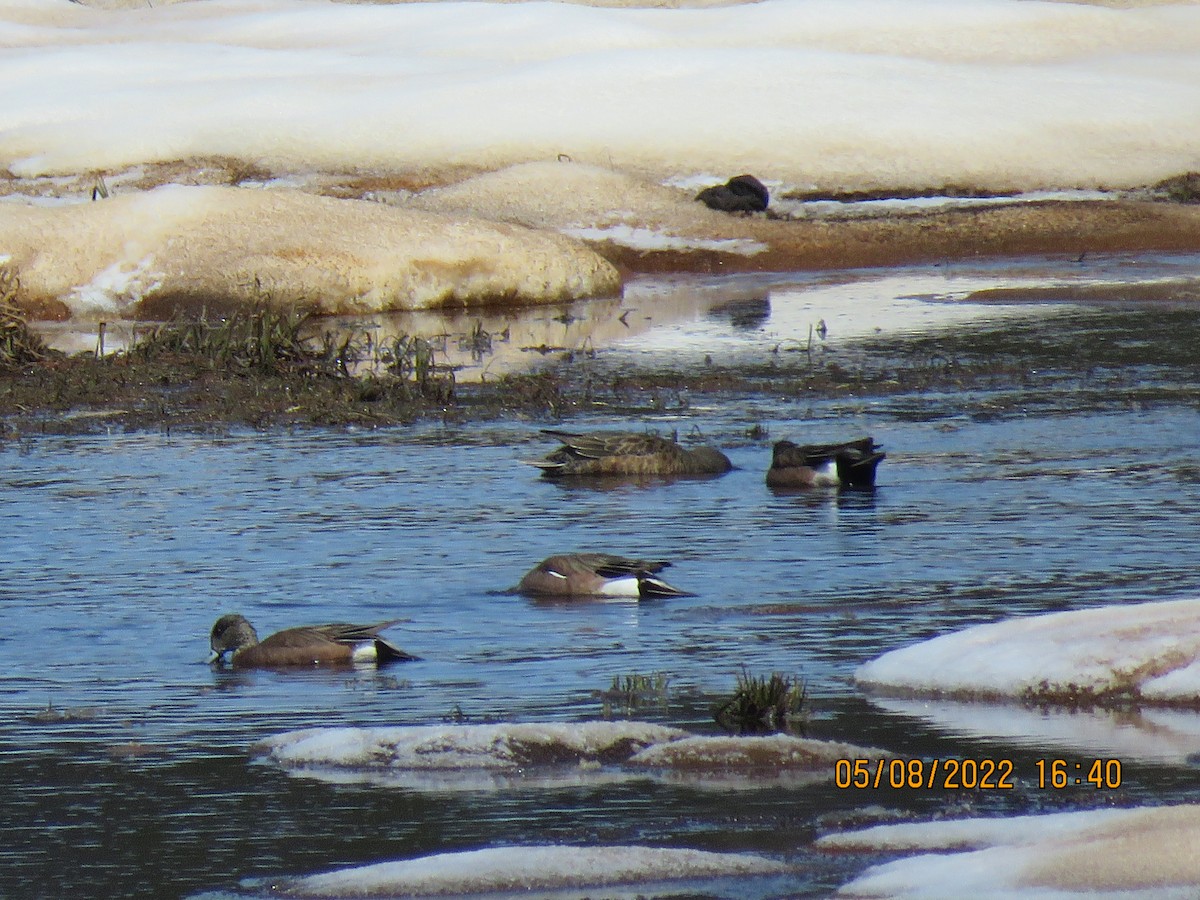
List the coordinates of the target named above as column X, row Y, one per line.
column 742, row 193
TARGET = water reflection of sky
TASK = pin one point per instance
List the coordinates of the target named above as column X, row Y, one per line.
column 121, row 551
column 685, row 318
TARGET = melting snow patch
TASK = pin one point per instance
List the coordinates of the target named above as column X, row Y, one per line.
column 1146, row 651
column 116, row 288
column 1147, row 854
column 521, row 869
column 650, row 239
column 464, row 746
column 475, row 757
column 344, row 256
column 770, row 752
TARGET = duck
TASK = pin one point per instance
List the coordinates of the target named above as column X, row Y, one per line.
column 597, row 575
column 849, row 464
column 628, row 454
column 742, row 193
column 308, row 645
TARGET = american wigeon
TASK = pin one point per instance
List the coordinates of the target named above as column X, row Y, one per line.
column 742, row 193
column 626, row 453
column 597, row 575
column 850, row 464
column 308, row 645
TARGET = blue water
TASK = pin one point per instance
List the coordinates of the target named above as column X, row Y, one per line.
column 119, row 551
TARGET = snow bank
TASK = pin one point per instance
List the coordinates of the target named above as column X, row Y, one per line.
column 1148, row 652
column 148, row 254
column 1147, row 853
column 982, row 93
column 512, row 870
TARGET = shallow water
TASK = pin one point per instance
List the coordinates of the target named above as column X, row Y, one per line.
column 125, row 755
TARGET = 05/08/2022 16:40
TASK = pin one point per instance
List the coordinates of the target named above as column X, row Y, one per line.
column 972, row 774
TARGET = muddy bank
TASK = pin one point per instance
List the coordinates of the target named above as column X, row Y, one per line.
column 1017, row 229
column 1092, row 353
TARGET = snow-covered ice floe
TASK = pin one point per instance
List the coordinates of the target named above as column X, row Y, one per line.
column 472, row 757
column 522, row 871
column 150, row 253
column 1131, row 854
column 1146, row 653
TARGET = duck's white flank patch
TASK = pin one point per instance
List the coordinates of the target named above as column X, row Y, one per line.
column 826, row 474
column 365, row 652
column 621, row 587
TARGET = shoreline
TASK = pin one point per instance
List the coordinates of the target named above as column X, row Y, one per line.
column 1009, row 229
column 973, row 333
column 207, row 261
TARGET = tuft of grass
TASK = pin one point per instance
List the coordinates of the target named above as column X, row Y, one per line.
column 762, row 705
column 634, row 692
column 412, row 361
column 263, row 340
column 19, row 346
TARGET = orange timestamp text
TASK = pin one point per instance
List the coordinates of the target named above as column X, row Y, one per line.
column 952, row 774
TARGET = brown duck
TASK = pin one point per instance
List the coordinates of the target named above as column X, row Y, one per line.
column 597, row 575
column 850, row 464
column 628, row 453
column 308, row 645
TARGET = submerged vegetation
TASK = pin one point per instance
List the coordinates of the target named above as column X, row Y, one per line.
column 633, row 694
column 763, row 704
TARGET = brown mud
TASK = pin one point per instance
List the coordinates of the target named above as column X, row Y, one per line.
column 1070, row 228
column 1089, row 356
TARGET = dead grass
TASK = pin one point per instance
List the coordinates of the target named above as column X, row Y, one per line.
column 19, row 346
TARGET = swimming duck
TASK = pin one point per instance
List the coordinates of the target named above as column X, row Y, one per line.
column 597, row 575
column 625, row 453
column 308, row 645
column 850, row 464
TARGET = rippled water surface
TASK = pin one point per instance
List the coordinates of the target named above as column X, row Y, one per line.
column 124, row 754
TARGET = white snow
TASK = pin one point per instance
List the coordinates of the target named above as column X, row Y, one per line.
column 1146, row 651
column 1132, row 854
column 591, row 203
column 648, row 239
column 531, row 755
column 976, row 92
column 600, row 121
column 772, row 753
column 337, row 256
column 514, row 870
column 504, row 746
